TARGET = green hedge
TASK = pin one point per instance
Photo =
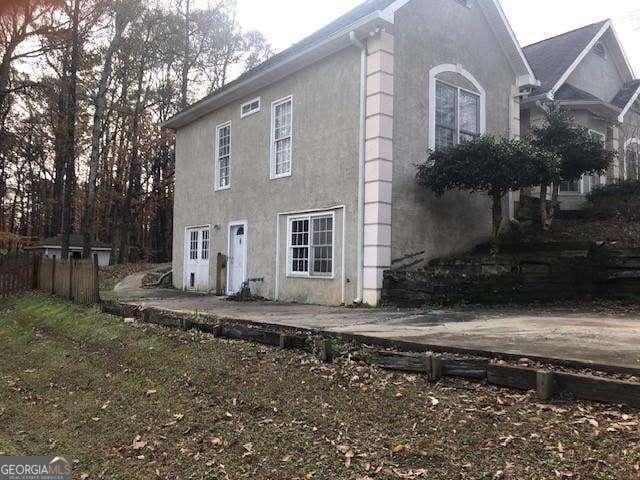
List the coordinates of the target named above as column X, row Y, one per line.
column 627, row 189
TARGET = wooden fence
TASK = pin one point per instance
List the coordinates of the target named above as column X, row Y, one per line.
column 73, row 279
column 18, row 273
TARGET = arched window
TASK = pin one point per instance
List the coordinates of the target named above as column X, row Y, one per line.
column 457, row 106
column 632, row 159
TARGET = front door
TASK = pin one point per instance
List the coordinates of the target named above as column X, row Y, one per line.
column 237, row 258
column 196, row 265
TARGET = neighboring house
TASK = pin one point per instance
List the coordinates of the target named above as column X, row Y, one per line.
column 52, row 248
column 587, row 71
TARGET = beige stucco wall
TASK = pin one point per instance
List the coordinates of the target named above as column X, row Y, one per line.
column 428, row 34
column 324, row 174
column 598, row 76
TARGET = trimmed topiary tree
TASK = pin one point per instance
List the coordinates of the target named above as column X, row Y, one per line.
column 488, row 164
column 579, row 151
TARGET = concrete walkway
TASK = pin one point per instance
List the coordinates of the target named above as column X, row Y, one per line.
column 585, row 336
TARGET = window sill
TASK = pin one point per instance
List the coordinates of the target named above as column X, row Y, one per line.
column 221, row 189
column 282, row 175
column 311, row 277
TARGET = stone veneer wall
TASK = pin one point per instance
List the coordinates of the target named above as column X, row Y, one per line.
column 521, row 273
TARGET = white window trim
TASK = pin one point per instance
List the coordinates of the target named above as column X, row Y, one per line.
column 272, row 140
column 237, row 223
column 310, row 217
column 250, row 112
column 625, row 148
column 217, row 157
column 433, row 74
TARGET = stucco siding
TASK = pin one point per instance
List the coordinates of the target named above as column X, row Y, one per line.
column 428, row 34
column 324, row 175
column 597, row 76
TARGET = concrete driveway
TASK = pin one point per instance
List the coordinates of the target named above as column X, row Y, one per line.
column 584, row 335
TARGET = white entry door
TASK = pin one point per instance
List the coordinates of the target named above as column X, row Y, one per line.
column 196, row 265
column 237, row 257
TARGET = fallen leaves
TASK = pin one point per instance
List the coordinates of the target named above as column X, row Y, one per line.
column 348, row 454
column 398, row 447
column 138, row 443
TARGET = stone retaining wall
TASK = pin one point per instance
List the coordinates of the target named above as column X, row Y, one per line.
column 518, row 273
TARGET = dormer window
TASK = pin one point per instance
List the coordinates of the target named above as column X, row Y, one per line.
column 600, row 50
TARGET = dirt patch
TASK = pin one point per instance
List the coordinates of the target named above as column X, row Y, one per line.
column 111, row 275
column 137, row 401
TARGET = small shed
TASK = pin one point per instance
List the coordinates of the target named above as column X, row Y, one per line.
column 52, row 248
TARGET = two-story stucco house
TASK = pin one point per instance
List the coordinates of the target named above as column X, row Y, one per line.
column 302, row 171
column 587, row 71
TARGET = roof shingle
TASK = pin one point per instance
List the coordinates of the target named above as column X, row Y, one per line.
column 353, row 15
column 552, row 57
column 626, row 93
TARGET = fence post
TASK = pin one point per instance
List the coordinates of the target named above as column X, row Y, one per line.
column 53, row 276
column 96, row 279
column 70, row 278
column 36, row 271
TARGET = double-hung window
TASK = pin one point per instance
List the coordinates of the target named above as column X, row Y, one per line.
column 311, row 246
column 223, row 156
column 281, row 138
column 457, row 115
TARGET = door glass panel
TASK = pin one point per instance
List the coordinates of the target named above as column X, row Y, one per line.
column 193, row 245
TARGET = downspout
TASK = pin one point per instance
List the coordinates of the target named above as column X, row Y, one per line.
column 361, row 146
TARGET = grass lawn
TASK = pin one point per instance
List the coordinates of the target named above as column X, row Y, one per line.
column 132, row 401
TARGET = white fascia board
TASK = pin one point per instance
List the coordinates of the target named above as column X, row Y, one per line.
column 580, row 57
column 528, row 79
column 629, row 105
column 516, row 44
column 317, row 51
column 624, row 54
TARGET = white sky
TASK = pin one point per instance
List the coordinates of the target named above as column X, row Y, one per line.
column 284, row 22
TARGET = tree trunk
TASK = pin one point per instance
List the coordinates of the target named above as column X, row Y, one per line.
column 5, row 72
column 497, row 213
column 184, row 102
column 544, row 220
column 70, row 164
column 555, row 192
column 100, row 104
column 127, row 231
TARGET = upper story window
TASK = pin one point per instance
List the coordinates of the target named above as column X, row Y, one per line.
column 600, row 50
column 311, row 246
column 457, row 115
column 281, row 137
column 223, row 156
column 249, row 108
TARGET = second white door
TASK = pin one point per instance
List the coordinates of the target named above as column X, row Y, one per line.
column 237, row 257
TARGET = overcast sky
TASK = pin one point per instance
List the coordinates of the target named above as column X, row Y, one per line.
column 284, row 22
